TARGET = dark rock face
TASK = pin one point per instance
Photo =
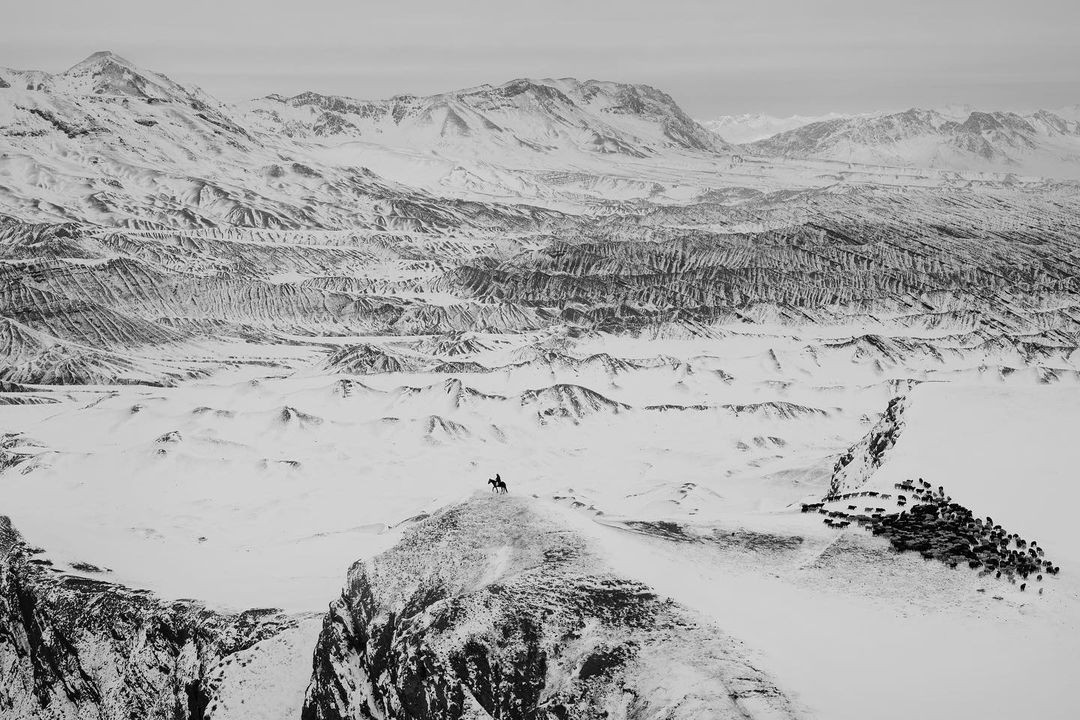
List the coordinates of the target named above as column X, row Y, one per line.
column 492, row 609
column 855, row 466
column 79, row 648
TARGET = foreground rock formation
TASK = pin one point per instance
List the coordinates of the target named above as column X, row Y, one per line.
column 492, row 609
column 79, row 648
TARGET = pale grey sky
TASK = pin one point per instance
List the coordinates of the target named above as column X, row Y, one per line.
column 714, row 57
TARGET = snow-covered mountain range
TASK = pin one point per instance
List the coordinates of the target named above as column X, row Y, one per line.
column 1038, row 143
column 770, row 413
column 122, row 145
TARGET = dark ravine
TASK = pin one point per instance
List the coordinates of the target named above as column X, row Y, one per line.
column 493, row 609
column 76, row 648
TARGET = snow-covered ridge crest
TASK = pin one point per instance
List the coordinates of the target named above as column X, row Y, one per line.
column 495, row 608
column 541, row 115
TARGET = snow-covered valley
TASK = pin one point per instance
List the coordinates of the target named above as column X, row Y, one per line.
column 785, row 434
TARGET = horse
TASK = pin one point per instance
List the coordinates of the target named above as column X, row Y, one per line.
column 497, row 485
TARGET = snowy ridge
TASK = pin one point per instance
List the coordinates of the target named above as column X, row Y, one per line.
column 504, row 611
column 535, row 115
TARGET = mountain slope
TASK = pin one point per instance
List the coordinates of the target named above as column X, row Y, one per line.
column 109, row 143
column 540, row 116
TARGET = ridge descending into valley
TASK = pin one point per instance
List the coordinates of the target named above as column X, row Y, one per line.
column 786, row 426
column 550, row 633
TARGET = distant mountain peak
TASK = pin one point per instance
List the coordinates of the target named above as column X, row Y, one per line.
column 106, row 73
column 101, row 57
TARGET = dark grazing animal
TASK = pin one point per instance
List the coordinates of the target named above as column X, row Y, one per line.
column 497, row 485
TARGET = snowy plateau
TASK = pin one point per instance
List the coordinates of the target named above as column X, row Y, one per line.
column 789, row 423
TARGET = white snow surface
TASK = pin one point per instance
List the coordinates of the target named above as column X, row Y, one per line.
column 273, row 485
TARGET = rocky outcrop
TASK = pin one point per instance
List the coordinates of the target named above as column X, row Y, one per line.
column 854, row 468
column 75, row 647
column 496, row 609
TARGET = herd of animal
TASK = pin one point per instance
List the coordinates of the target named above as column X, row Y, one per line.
column 940, row 529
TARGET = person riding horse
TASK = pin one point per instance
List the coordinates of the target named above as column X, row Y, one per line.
column 497, row 484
